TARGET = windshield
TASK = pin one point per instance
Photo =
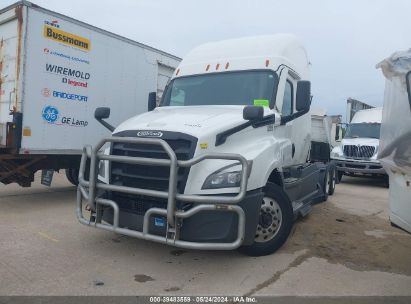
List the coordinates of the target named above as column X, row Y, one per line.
column 370, row 130
column 229, row 88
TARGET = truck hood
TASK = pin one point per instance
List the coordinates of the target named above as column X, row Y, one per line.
column 193, row 120
column 361, row 141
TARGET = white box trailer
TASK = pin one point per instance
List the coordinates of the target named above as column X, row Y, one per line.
column 395, row 145
column 325, row 134
column 325, row 128
column 353, row 106
column 55, row 71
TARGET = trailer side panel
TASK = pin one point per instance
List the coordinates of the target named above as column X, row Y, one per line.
column 71, row 70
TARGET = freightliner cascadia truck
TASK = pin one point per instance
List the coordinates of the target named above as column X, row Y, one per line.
column 225, row 162
column 54, row 72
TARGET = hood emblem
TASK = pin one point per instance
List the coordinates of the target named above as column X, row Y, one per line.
column 193, row 125
column 149, row 134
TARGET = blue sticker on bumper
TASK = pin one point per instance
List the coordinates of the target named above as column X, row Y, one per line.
column 159, row 222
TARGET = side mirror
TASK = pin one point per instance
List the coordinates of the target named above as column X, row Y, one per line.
column 303, row 100
column 253, row 113
column 342, row 127
column 103, row 113
column 152, row 101
column 337, row 133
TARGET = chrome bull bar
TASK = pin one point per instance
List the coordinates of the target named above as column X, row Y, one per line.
column 87, row 191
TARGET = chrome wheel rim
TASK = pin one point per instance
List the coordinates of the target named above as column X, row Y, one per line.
column 270, row 220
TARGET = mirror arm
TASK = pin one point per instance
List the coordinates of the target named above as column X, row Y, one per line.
column 106, row 124
column 285, row 119
column 222, row 137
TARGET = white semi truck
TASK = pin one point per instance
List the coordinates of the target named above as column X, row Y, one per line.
column 223, row 163
column 395, row 147
column 54, row 72
column 357, row 153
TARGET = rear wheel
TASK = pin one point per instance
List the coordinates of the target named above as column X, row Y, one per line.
column 340, row 175
column 332, row 180
column 72, row 176
column 275, row 223
column 326, row 185
column 386, row 181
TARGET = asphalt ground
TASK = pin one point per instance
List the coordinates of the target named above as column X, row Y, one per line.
column 344, row 247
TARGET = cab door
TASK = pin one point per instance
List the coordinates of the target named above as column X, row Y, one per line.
column 295, row 132
column 284, row 105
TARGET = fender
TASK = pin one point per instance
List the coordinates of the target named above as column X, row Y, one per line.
column 276, row 177
column 266, row 153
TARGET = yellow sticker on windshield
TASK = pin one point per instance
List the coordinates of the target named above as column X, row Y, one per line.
column 204, row 145
column 261, row 102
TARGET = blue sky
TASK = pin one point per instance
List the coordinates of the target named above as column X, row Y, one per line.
column 344, row 39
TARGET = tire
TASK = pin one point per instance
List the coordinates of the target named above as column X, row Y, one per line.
column 340, row 176
column 386, row 181
column 72, row 176
column 332, row 179
column 326, row 185
column 68, row 176
column 276, row 214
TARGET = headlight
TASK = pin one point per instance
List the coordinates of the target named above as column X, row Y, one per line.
column 375, row 153
column 223, row 180
column 336, row 152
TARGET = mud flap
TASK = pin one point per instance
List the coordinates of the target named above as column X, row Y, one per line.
column 47, row 177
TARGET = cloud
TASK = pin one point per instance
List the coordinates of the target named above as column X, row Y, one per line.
column 344, row 39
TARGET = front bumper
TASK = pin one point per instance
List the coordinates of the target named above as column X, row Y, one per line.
column 214, row 225
column 359, row 167
column 217, row 222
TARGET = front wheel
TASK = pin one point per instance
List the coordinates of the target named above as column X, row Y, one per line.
column 275, row 222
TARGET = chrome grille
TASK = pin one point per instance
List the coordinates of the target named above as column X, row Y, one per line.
column 151, row 177
column 361, row 152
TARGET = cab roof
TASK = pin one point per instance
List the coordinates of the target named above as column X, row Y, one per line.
column 256, row 52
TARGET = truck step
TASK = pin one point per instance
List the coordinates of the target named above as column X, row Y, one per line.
column 296, row 206
column 290, row 180
column 299, row 208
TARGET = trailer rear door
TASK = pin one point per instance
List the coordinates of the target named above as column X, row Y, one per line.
column 10, row 47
